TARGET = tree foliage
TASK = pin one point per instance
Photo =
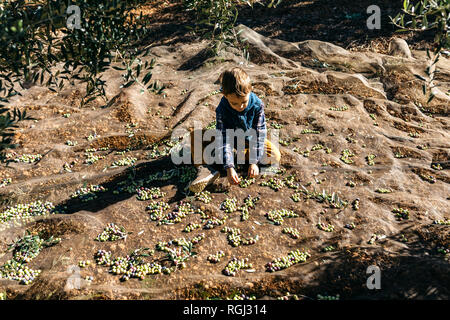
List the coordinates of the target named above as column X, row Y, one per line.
column 8, row 121
column 422, row 16
column 215, row 19
column 38, row 46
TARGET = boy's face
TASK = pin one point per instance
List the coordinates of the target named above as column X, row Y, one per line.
column 236, row 102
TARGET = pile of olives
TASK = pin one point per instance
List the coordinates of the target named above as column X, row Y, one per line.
column 277, row 216
column 92, row 158
column 156, row 153
column 18, row 271
column 124, row 162
column 293, row 233
column 84, row 263
column 213, row 222
column 204, row 196
column 376, row 237
column 350, row 226
column 401, row 213
column 382, row 190
column 182, row 210
column 185, row 242
column 241, row 296
column 370, row 158
column 71, row 143
column 309, row 131
column 4, row 182
column 24, row 250
column 20, row 211
column 156, row 210
column 343, row 108
column 28, row 158
column 288, row 296
column 149, row 194
column 246, row 182
column 235, row 265
column 215, row 258
column 273, row 183
column 245, row 213
column 103, row 257
column 233, row 236
column 68, row 166
column 351, row 184
column 249, row 241
column 112, row 232
column 191, row 227
column 249, row 203
column 296, row 197
column 290, row 182
column 276, row 125
column 235, row 239
column 427, row 177
column 346, row 154
column 442, row 222
column 178, row 256
column 317, row 147
column 355, row 204
column 88, row 193
column 327, row 228
column 27, row 248
column 328, row 249
column 275, row 169
column 131, row 266
column 292, row 258
column 229, row 205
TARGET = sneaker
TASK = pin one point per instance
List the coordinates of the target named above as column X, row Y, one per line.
column 205, row 176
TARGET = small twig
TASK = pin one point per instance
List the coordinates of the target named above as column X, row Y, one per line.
column 43, row 156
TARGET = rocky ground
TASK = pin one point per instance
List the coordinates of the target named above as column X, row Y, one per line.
column 354, row 124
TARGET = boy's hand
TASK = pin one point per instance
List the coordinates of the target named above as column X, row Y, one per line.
column 253, row 170
column 232, row 176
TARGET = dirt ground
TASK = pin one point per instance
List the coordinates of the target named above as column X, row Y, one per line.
column 328, row 78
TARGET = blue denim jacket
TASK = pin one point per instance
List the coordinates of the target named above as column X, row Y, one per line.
column 251, row 117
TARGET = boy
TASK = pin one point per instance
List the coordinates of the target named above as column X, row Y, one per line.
column 239, row 108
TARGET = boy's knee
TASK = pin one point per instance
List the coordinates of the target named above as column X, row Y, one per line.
column 273, row 153
column 276, row 154
column 270, row 158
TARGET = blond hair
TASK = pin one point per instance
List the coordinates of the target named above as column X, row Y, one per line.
column 236, row 81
